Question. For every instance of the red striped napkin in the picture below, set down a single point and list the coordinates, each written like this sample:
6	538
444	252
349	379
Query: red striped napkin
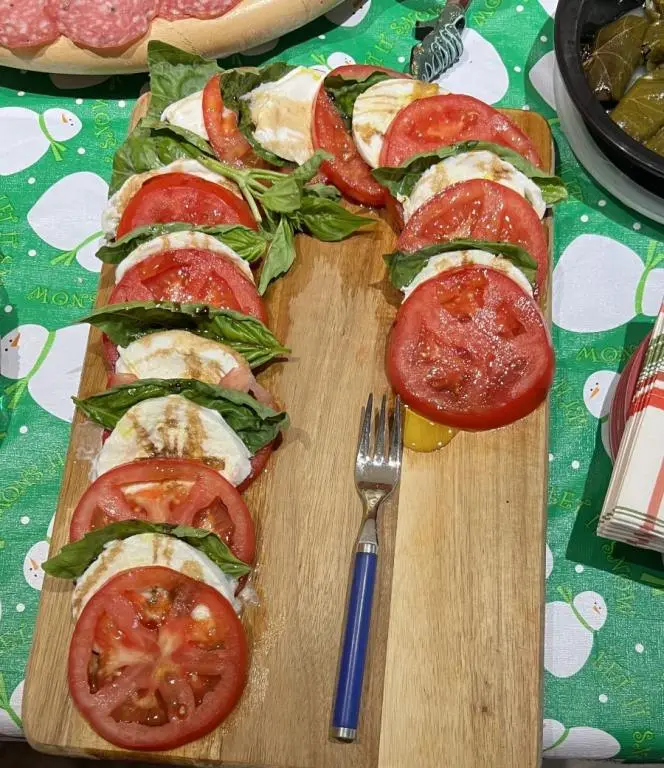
633	509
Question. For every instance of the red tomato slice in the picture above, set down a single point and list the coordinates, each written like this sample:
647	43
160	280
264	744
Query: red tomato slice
225	137
471	350
480	209
348	171
183	197
144	672
437	121
190	274
258	462
178	491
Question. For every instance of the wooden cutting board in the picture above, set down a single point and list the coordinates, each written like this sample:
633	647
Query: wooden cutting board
249	24
454	674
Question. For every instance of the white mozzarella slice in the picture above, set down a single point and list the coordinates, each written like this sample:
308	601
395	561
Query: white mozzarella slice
153	549
176	355
175	241
375	109
282	112
187	113
454	259
466	166
116	205
174	427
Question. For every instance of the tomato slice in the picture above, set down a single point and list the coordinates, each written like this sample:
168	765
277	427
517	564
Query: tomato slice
471	350
225	137
258	462
146	670
183	197
190	274
347	171
177	491
437	121
484	210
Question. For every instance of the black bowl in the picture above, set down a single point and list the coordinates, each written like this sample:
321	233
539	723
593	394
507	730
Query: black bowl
577	22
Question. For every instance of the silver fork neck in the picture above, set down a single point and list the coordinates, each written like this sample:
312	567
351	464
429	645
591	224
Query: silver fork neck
368	538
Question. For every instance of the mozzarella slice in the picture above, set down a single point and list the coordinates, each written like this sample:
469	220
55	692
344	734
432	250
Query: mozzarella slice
116	205
174	427
282	112
466	166
176	355
149	549
176	240
375	109
454	259
187	113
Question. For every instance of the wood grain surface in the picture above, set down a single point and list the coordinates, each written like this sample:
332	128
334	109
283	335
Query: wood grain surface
454	671
250	23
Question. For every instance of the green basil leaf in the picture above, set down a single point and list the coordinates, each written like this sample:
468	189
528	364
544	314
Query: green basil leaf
74	558
344	91
159	128
141	152
175	74
255	424
402	179
124	323
247	243
404	267
324	190
285	195
326	219
280	255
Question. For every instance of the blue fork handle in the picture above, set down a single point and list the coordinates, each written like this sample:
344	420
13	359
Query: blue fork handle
354	650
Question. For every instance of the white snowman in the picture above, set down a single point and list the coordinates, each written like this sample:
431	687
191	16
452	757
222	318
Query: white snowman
46	363
10	710
25	136
350	13
577	742
548	562
569	632
339	59
541	77
600	284
78	200
37	554
598	392
480	71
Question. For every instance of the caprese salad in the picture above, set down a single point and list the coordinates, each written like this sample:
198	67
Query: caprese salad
224	169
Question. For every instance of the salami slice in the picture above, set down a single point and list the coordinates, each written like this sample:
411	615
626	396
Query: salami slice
196	9
25	23
103	24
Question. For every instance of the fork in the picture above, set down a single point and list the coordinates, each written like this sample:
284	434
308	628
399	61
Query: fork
376	476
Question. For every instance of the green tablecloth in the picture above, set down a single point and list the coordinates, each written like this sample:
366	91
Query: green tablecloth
604	646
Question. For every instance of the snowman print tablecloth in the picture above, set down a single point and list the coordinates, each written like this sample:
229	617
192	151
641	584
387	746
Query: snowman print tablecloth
604	648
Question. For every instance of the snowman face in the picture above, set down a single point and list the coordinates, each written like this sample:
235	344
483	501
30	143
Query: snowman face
32	565
62	124
592	609
19	350
598	392
339	59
